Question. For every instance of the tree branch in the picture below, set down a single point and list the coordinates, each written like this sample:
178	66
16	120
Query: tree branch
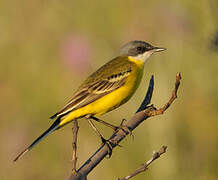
144	167
75	130
173	97
144	113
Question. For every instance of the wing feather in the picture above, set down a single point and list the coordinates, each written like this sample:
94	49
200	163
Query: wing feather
93	92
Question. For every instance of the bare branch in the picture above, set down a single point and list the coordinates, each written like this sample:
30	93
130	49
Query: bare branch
75	130
155	111
144	167
119	135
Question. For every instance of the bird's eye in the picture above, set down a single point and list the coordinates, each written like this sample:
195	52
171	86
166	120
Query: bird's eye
140	49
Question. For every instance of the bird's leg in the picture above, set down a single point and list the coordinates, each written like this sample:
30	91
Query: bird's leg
103	122
96	130
104	141
124	128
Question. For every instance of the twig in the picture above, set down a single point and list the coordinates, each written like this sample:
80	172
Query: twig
119	135
75	130
155	111
144	167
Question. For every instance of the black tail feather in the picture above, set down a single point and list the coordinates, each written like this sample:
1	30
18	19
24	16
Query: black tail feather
52	128
53	116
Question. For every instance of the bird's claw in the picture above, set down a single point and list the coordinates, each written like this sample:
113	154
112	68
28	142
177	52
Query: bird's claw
110	145
124	128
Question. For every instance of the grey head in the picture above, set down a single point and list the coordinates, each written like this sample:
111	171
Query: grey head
140	49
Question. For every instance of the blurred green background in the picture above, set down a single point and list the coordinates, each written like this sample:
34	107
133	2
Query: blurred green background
49	47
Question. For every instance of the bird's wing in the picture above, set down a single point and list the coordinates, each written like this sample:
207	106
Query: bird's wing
94	91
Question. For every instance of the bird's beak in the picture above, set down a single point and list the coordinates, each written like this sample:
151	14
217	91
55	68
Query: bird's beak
158	49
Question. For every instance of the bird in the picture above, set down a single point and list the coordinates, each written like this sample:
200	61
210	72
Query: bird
109	87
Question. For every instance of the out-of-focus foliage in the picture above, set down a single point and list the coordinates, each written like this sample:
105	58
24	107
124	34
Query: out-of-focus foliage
49	47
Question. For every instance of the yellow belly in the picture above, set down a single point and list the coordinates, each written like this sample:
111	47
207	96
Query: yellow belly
109	101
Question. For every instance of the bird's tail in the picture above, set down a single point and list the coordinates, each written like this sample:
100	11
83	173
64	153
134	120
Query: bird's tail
52	128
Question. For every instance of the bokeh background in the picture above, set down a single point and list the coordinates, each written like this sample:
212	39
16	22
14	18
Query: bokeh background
49	47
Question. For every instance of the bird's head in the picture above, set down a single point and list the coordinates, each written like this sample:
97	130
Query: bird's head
139	50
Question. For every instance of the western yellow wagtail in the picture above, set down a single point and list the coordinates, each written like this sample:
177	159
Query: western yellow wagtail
106	89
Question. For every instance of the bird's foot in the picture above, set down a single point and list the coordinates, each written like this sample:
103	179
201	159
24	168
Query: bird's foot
124	128
109	145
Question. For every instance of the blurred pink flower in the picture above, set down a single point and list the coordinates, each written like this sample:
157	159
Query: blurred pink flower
75	52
